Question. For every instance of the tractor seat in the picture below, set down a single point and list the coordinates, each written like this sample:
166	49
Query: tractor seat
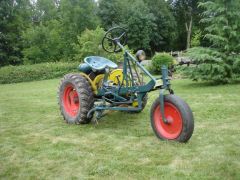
99	63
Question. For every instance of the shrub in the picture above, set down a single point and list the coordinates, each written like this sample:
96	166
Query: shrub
24	73
161	59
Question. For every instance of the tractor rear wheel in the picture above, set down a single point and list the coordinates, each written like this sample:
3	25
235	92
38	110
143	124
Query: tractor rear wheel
178	113
75	98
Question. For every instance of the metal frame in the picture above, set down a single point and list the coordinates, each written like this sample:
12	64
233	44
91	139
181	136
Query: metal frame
118	92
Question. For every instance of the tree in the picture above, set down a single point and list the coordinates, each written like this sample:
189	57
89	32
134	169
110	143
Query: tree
43	43
45	10
113	12
186	13
150	23
14	18
75	17
55	27
164	32
140	23
220	61
134	15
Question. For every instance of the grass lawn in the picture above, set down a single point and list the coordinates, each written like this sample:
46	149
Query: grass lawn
35	143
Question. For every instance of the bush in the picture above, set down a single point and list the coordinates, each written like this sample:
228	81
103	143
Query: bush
24	73
159	60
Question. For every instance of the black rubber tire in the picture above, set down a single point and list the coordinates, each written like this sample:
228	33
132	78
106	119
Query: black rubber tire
85	95
186	114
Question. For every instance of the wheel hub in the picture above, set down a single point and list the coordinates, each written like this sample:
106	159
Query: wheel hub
71	100
173	128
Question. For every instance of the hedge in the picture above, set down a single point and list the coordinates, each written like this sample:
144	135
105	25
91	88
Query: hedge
25	73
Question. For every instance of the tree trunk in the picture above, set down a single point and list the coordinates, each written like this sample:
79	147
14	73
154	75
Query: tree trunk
189	32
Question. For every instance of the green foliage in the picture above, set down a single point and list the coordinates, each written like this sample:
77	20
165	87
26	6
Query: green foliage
140	25
160	59
52	38
112	12
75	16
51	30
90	44
183	11
219	62
196	39
14	18
43	43
45	10
23	73
163	33
150	24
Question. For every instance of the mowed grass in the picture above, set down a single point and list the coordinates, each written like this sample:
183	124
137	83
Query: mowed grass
35	143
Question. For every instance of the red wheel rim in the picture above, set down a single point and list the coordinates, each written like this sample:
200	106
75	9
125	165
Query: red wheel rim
71	100
172	129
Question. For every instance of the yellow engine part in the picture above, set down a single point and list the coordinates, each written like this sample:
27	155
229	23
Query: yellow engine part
116	75
135	103
99	78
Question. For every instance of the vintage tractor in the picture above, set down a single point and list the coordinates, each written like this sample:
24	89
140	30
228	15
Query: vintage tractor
102	86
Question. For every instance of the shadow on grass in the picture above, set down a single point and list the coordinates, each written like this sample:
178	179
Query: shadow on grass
125	123
116	119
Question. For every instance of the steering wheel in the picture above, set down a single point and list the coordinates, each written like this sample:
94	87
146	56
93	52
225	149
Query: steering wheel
112	37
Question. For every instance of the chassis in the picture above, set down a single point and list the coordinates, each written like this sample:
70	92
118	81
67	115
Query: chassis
100	86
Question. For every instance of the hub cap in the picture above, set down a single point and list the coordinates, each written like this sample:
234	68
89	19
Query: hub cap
172	129
71	100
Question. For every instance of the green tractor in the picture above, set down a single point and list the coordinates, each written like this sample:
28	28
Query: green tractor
102	86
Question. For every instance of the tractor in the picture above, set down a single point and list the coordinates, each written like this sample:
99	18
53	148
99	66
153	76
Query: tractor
101	86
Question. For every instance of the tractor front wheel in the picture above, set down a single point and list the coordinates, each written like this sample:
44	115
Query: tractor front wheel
75	98
180	123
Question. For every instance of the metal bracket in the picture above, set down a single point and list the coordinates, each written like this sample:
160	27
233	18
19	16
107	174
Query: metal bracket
165	86
161	97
